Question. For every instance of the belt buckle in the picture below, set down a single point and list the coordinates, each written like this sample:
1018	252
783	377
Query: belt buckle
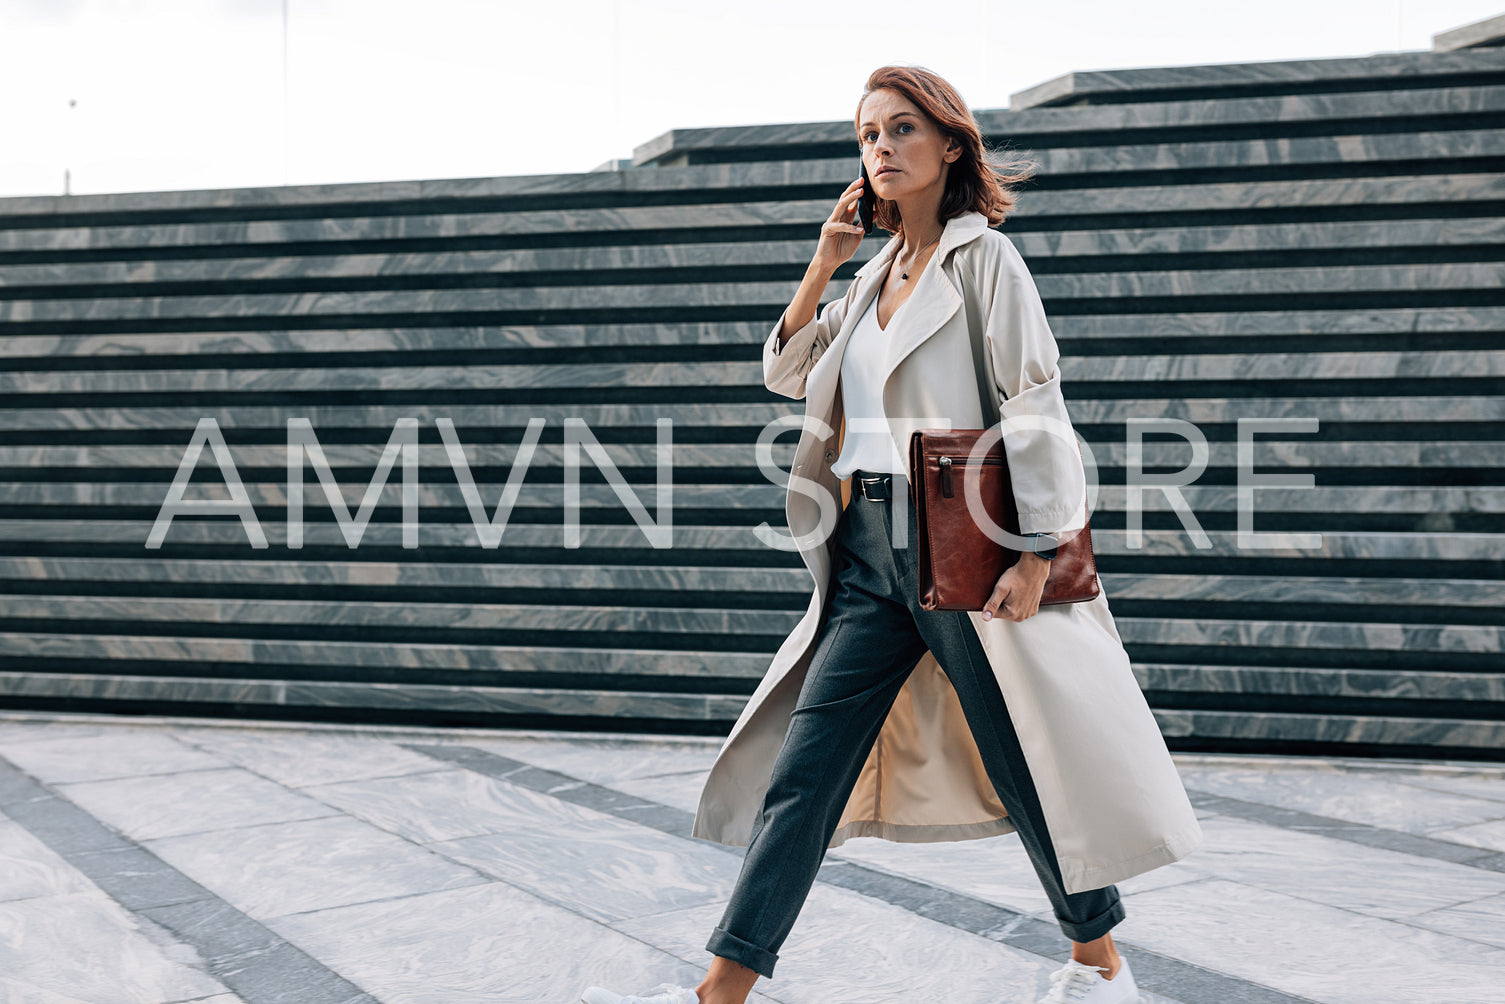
875	481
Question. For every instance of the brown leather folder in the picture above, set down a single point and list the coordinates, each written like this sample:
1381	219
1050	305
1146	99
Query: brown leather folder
959	563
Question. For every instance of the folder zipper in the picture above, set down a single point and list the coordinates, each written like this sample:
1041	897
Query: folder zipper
946	491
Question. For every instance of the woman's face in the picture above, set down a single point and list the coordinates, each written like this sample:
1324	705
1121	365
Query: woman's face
903	150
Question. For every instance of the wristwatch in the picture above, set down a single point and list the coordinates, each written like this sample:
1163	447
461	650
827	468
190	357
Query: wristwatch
1043	544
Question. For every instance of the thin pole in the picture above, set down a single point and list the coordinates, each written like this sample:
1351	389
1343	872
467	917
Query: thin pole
72	132
284	92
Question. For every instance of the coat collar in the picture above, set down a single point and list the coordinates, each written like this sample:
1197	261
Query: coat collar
957	231
932	303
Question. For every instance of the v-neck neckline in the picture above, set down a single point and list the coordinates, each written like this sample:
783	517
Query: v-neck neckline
877	297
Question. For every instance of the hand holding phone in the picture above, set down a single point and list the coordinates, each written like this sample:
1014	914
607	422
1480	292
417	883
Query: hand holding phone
840	235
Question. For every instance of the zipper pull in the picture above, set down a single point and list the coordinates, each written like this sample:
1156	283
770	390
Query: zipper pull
946	477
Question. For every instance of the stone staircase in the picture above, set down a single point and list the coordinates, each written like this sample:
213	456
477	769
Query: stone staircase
1317	241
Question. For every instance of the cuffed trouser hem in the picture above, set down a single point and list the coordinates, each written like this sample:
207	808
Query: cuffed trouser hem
1091	930
729	946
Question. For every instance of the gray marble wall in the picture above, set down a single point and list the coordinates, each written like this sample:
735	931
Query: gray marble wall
1316	240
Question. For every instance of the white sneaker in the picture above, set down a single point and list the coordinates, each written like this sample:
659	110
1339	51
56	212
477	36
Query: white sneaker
1075	983
661	994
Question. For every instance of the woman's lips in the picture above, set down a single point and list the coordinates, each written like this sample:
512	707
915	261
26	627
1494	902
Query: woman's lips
887	170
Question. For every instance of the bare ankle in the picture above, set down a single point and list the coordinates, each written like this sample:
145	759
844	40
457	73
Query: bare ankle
727	982
721	994
1101	952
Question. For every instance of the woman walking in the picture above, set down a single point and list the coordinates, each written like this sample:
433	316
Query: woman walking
877	717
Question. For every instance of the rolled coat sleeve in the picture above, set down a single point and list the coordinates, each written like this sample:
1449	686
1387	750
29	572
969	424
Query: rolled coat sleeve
1045	465
785	370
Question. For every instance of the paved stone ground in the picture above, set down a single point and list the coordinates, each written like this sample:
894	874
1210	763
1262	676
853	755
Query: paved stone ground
148	861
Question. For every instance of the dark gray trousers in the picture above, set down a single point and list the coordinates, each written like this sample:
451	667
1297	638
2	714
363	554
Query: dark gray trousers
872	636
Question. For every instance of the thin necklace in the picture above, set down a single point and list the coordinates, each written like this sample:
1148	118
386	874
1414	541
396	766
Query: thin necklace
905	274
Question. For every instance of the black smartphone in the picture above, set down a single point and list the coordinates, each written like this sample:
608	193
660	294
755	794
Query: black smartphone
868	203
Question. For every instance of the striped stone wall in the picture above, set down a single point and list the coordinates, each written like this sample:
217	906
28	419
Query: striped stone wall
1318	241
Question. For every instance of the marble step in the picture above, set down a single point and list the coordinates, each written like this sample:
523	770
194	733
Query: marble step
1240	637
1474	36
1312	546
643	228
738	505
655	257
457	619
1345	112
377	419
658	303
1352	510
1392	72
1283	731
1307	681
444	510
716	667
789	586
1418	97
1257	332
403	664
1307	593
169	691
1085	336
616	709
547	464
567	378
1092	377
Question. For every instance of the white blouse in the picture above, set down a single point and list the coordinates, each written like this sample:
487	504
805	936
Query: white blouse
862	362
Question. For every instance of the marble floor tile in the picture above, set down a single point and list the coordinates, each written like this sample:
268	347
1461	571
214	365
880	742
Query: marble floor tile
1350	795
17	991
85	946
607	869
1369	880
846	948
681	791
1487	786
21	992
602	761
298	759
1490	834
994	869
113	753
479	945
1298	947
30	868
168	805
1478	920
20	729
448	804
281	868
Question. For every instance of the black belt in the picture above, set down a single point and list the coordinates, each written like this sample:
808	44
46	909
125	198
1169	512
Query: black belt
873	487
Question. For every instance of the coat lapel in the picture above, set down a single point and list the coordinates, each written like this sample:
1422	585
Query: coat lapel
927	310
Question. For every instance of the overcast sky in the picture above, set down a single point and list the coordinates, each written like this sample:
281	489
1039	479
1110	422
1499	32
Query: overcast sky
179	94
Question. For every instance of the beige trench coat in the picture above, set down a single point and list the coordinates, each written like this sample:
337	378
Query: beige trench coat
1112	798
